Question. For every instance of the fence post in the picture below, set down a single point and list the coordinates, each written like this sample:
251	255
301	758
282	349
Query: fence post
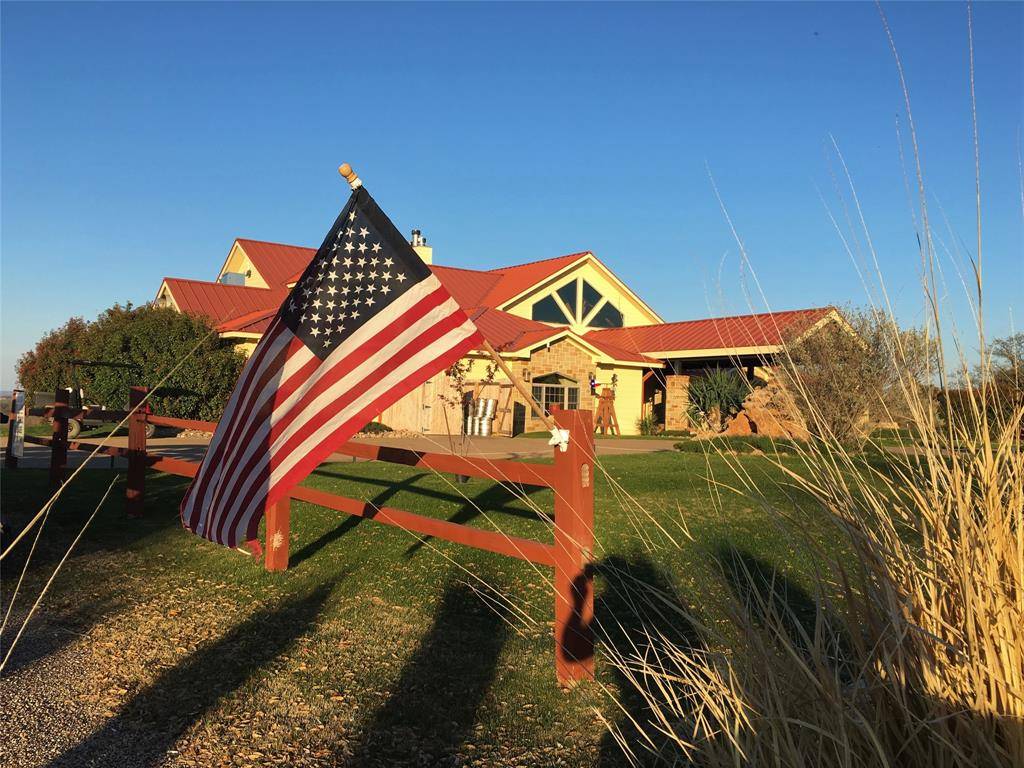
136	488
574	544
278	524
59	444
10	460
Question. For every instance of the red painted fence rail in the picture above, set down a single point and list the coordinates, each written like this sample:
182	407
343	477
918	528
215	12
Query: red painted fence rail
570	477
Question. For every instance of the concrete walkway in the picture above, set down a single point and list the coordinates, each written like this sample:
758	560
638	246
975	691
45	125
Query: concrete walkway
192	448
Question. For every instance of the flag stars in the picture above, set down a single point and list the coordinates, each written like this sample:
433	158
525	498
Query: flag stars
332	290
347	262
400	277
385	276
362	247
363	232
349	247
314	331
385	289
332	275
369	301
352	216
388	261
361	262
376	247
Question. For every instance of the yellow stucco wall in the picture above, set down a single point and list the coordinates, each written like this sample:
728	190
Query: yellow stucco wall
565	357
238	261
633	312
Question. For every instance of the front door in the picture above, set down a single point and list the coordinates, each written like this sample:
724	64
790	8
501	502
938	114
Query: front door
518	419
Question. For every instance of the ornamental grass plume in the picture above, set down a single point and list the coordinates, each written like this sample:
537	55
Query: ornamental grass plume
908	650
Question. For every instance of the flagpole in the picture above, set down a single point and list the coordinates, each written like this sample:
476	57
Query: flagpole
559	437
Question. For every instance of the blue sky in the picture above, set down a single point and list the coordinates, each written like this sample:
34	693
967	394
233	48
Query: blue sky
138	140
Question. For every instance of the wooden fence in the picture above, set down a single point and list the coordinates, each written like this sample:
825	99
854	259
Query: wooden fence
570	477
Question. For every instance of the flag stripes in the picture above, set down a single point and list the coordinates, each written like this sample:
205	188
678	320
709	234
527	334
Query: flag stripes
291	409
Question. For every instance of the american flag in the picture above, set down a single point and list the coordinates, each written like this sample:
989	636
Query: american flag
365	324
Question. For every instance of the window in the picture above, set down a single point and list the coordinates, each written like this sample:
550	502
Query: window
607	317
572	398
547	311
554	389
567	293
590	298
580	298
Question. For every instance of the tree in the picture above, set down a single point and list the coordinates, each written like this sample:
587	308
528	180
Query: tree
1008	356
847	375
155	340
45	367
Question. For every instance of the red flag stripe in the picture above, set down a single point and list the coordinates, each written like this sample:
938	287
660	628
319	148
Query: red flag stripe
256	442
263	358
348	386
320	444
289	353
307	427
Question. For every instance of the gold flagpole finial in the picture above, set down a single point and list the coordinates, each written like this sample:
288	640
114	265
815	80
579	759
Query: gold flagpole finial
350	176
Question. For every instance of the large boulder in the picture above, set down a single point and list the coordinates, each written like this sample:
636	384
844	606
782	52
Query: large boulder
769	411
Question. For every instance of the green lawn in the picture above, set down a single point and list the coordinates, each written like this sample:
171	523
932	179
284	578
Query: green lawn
376	647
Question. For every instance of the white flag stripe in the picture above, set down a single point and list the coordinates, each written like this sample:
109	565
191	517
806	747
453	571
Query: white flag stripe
360	337
365	323
234	485
414	363
346	383
225	442
292	366
262	357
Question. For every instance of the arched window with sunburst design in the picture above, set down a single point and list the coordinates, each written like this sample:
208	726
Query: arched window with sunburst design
577	303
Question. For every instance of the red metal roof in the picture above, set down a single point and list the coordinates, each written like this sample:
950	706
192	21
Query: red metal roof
221	302
763	330
277	263
467	286
251	322
507	332
510	333
519	277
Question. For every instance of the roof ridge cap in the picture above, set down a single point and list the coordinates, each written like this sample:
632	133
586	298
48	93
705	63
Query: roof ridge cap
539	261
225	285
776	313
272	242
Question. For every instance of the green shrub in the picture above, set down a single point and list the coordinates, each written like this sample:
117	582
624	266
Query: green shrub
44	368
375	428
646	425
720	391
152	339
741	444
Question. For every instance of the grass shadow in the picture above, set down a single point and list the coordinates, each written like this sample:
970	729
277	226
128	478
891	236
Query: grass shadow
637	609
775	601
351	521
433	705
155	718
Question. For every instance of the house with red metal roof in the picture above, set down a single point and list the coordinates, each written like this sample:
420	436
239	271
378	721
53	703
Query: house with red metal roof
568	325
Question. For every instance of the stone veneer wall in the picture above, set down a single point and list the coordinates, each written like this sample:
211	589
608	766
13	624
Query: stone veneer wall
677	402
561	357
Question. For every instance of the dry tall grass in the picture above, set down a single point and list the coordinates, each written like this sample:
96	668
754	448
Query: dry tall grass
913	651
910	651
